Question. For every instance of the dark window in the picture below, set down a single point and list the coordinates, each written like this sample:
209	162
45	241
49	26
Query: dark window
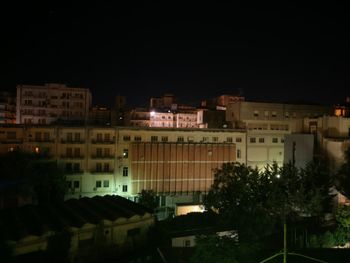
261	140
238	153
275	140
126	138
76	184
125	188
105	183
98	184
252	140
238	139
125	171
154	138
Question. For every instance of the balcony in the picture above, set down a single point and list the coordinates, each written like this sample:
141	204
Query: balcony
102	156
9	141
69	172
41	140
75	157
94	171
65	141
94	141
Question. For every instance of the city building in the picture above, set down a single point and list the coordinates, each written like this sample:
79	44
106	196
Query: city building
7	108
52	103
178	164
100	115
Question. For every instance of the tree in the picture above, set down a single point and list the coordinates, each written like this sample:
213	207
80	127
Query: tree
256	202
148	199
33	174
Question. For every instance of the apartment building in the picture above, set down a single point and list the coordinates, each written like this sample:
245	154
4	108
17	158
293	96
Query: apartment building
7	108
124	161
258	115
52	103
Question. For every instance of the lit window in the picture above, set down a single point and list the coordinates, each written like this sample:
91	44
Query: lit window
125	153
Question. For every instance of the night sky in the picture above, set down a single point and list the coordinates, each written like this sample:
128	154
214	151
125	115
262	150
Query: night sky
278	52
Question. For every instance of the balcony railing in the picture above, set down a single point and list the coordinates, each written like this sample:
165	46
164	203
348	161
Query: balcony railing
72	141
74	171
102	156
95	141
94	171
72	157
41	140
9	141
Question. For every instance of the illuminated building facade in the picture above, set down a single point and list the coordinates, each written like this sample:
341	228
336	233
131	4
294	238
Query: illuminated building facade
7	108
52	103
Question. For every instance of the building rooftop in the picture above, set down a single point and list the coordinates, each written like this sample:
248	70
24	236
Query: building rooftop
31	220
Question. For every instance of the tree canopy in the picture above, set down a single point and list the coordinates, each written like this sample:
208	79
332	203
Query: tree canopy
342	180
32	174
254	201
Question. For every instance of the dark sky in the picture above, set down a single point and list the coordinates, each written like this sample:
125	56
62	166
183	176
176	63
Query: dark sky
277	52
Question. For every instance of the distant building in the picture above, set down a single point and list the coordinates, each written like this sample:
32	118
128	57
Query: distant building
164	102
99	115
7	108
52	103
119	111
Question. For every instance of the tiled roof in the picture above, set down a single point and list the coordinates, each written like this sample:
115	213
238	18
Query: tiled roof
19	223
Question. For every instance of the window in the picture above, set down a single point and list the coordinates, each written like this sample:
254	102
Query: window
106	167
180	139
238	139
76	184
256	113
215	139
68	167
99	137
126	138
46	136
69	184
137	138
286	114
282	140
98	167
164	138
266	113
77	152
107	152
69	152
105	183
125	188
261	140
125	171
205	139
38	136
98	152
125	153
274	114
98	184
274	140
108	137
77	136
252	140
69	136
238	153
229	139
76	167
187	243
154	138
